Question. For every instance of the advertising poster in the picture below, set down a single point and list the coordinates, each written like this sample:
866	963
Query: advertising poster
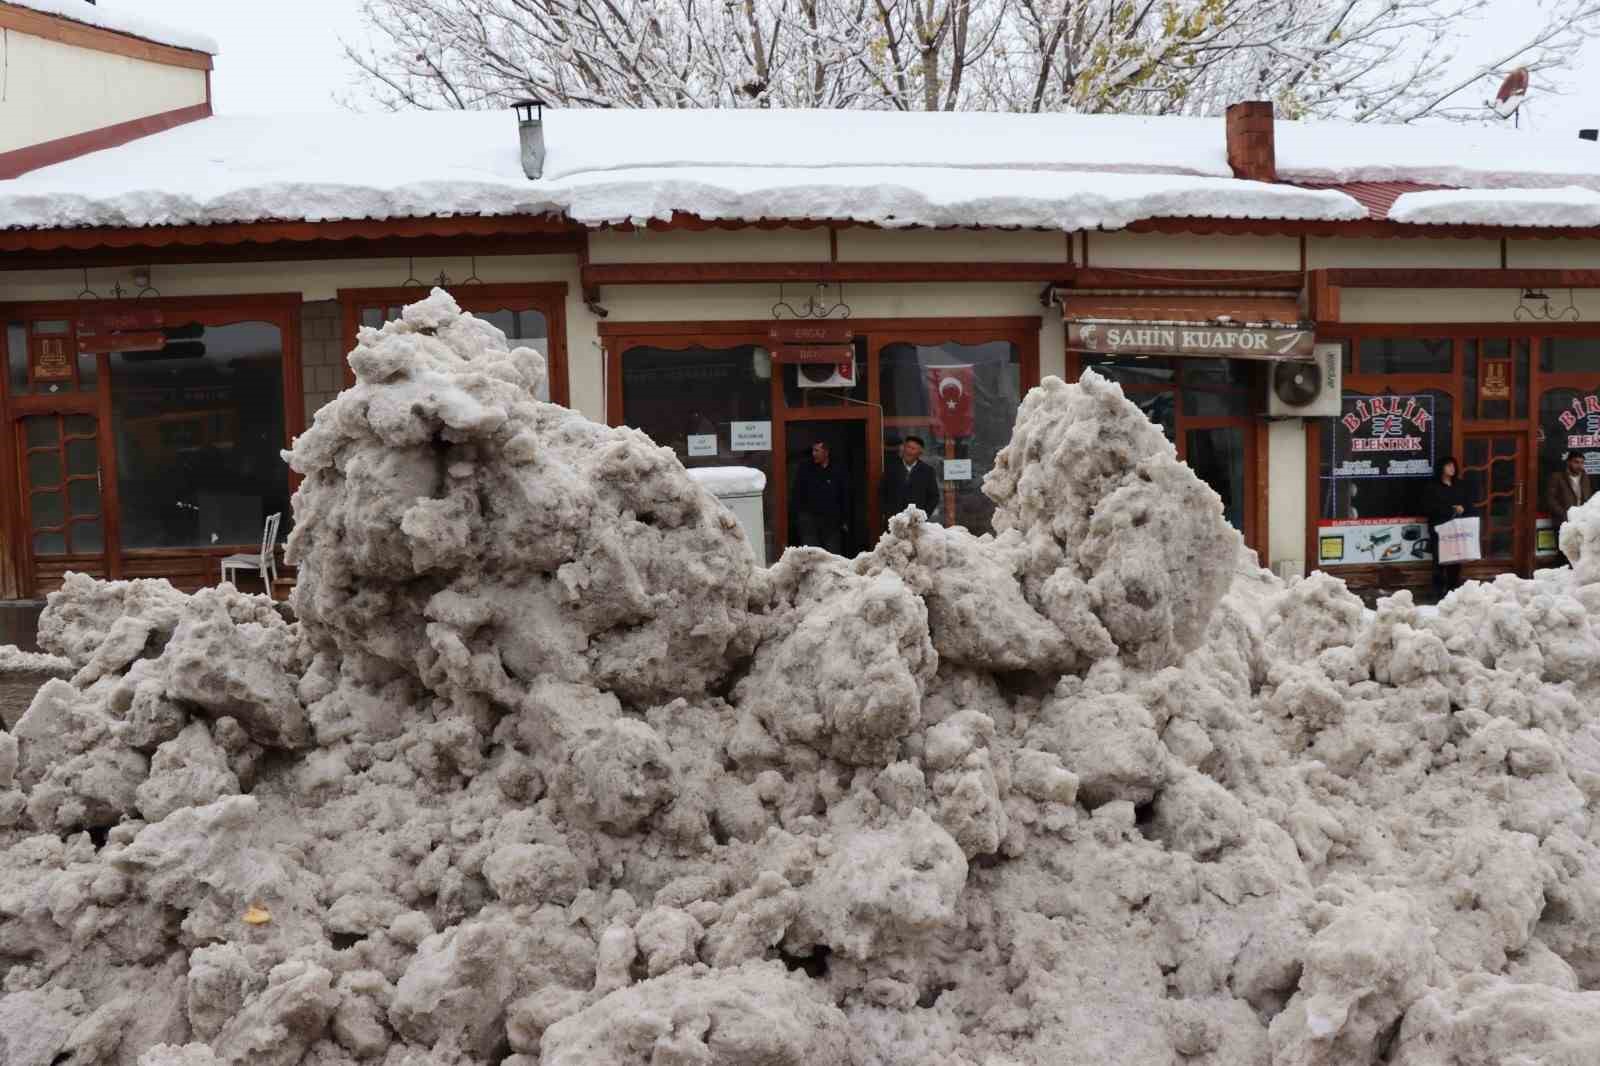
1545	536
1576	428
1353	541
1384	436
751	436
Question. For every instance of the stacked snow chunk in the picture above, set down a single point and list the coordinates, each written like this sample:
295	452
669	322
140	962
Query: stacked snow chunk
544	770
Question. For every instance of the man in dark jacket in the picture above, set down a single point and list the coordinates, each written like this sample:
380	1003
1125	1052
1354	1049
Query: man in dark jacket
910	482
1566	489
822	501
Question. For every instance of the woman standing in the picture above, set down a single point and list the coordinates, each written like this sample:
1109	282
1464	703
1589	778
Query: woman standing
1445	500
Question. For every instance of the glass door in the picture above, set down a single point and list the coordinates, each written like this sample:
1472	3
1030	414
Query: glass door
1493	467
61	486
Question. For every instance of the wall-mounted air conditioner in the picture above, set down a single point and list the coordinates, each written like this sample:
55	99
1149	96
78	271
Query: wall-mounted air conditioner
1307	389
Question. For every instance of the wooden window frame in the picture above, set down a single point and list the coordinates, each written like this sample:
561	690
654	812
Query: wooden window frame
549	298
20	574
1464	424
1255	427
616	337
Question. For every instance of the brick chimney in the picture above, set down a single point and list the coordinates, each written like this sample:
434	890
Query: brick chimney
1251	150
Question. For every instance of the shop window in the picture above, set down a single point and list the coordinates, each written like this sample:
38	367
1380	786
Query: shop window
1406	355
690	400
528	313
1147	381
1569	420
199	428
1377	459
1570	355
1219	388
962	400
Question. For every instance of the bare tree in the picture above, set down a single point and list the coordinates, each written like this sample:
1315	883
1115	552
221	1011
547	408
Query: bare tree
1366	60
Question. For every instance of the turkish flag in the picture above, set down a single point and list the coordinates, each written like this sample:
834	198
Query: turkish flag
950	399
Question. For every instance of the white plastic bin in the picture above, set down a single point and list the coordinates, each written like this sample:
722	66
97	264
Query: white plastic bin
742	490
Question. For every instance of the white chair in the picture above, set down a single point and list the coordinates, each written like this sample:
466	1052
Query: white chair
266	562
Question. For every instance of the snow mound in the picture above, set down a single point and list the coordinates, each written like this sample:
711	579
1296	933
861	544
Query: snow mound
542	769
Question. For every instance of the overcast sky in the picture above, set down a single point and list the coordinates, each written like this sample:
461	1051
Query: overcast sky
285	56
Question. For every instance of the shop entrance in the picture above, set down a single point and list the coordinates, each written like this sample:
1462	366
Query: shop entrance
1492	465
811	519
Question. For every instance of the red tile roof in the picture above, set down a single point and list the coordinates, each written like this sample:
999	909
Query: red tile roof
1377	196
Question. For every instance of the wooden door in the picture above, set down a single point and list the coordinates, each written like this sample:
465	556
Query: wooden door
1493	465
60	473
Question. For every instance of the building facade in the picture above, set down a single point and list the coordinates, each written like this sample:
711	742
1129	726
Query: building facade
155	370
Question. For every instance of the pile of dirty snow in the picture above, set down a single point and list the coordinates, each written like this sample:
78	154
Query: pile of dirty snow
543	769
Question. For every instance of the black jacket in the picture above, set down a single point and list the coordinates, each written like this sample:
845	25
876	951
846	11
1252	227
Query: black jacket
897	491
1440	501
823	492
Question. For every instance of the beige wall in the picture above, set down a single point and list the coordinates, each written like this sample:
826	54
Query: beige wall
319	281
55	90
1192	251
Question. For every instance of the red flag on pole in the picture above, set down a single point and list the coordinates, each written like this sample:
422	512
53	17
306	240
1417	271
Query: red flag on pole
950	399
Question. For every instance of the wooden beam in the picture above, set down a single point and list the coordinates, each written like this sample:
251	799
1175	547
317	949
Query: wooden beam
1462	278
65	30
19	161
597	274
1322	297
1179	278
95	237
288	251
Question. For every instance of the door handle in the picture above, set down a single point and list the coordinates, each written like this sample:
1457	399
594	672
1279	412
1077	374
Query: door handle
1519	494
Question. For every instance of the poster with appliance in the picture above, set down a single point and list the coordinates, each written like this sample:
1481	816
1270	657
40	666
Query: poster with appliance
1384	436
1545	536
1354	541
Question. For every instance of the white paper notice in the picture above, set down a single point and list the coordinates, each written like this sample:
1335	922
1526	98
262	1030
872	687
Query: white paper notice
752	436
958	469
702	444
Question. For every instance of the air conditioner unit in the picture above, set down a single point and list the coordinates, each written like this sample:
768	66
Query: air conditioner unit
1307	390
840	375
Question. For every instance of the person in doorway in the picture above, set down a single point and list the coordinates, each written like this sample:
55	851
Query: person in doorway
1444	501
910	482
822	501
1566	489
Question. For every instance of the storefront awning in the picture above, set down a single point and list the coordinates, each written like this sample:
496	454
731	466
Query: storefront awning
1208	326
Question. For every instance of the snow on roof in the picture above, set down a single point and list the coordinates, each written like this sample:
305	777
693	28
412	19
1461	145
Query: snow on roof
112	18
929	169
630	166
1569	206
1445	154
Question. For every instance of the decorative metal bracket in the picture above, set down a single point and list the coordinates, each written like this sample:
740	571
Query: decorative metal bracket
815	306
1526	311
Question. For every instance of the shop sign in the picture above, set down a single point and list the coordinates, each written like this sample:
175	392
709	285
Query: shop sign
790	333
701	444
124	330
51	360
1351	541
1150	338
1384	436
829	354
958	469
1577	426
751	436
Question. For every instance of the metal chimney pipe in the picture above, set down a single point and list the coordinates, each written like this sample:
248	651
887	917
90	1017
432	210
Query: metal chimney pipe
530	126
